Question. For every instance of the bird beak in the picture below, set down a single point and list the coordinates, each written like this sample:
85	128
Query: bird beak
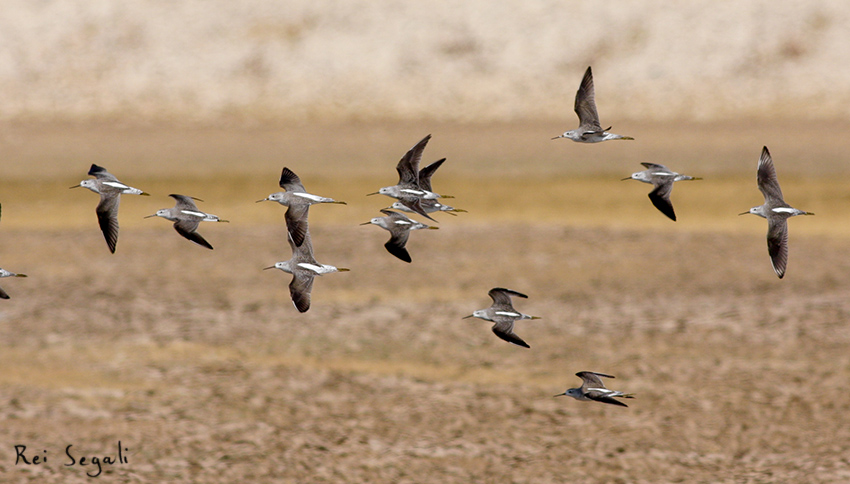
556	137
624	179
149	216
560	395
467	317
75	186
366	223
744	213
263	200
370	194
266	268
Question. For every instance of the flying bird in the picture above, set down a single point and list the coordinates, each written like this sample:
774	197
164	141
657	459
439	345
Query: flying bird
662	179
399	227
304	268
592	389
187	217
298	200
503	314
589	129
110	190
408	190
776	211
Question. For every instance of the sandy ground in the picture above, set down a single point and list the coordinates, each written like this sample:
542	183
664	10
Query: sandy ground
198	363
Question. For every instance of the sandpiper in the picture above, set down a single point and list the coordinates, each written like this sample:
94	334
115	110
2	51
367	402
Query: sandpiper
298	200
592	389
776	211
110	190
503	314
662	179
304	269
187	217
408	190
430	206
399	227
589	129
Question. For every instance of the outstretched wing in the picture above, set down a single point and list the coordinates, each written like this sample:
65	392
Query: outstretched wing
661	198
299	289
396	245
601	397
585	105
767	180
408	165
502	296
505	330
590	379
777	244
187	228
290	182
107	217
426	173
296	222
184	202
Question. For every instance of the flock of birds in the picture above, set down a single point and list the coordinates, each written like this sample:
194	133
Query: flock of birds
414	194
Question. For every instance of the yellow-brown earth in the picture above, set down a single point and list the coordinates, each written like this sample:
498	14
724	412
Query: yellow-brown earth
199	364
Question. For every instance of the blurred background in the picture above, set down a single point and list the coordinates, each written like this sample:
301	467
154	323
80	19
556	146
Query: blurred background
197	360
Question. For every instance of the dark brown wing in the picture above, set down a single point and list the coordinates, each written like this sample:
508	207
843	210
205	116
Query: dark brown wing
296	222
415	204
661	198
395	245
299	289
3	294
502	296
408	165
590	379
505	330
107	217
585	105
187	228
777	244
599	397
290	182
426	173
767	180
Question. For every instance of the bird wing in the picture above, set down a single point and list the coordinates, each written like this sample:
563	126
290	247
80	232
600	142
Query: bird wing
777	244
655	166
100	173
296	222
395	246
505	330
408	165
660	197
426	173
591	379
3	294
187	227
300	288
107	217
415	204
602	397
184	202
502	296
290	182
585	105
767	180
